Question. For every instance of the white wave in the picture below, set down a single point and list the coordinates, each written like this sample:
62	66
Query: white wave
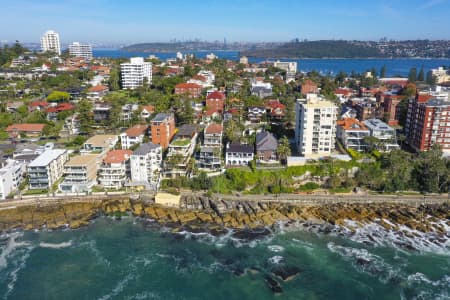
276	259
366	262
15	273
55	246
275	248
10	247
120	286
304	244
92	246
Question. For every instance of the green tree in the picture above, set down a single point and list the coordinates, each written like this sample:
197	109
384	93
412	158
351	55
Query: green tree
232	131
58	96
421	76
283	149
412	76
431	171
85	116
431	80
383	71
114	80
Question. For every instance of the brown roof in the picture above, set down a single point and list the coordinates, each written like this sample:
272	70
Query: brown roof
213	128
351	124
117	156
149	108
98	88
136	130
188	86
25	127
216	95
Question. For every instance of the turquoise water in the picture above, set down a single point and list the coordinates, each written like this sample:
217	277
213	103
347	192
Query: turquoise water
136	259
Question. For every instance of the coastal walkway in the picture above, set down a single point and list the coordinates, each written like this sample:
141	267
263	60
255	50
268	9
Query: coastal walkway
294	199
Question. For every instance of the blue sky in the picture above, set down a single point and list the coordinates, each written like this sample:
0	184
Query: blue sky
237	20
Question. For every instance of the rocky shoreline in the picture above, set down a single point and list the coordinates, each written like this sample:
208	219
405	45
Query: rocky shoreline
200	212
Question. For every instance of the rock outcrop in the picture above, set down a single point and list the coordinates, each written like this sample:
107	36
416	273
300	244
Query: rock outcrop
203	212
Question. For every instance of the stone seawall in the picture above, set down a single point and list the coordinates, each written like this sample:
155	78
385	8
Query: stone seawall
198	211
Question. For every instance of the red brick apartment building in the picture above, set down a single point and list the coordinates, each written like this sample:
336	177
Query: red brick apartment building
163	129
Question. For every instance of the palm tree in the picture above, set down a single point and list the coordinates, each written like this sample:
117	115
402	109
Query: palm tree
283	149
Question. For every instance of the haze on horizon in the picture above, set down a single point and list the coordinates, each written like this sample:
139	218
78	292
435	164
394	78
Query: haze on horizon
136	21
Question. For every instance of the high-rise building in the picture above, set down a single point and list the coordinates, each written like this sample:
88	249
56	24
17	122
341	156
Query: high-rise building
145	163
80	50
163	129
50	42
315	129
134	73
428	123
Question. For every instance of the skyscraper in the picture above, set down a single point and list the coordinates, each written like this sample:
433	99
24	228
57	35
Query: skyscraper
50	42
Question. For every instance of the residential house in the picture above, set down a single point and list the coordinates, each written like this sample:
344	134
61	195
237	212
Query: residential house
97	92
11	175
127	111
80	173
115	169
260	88
37	105
99	144
53	111
145	164
239	154
71	126
309	87
147	111
266	147
163	129
275	109
46	169
101	112
13	106
25	130
256	114
134	135
351	133
180	152
193	90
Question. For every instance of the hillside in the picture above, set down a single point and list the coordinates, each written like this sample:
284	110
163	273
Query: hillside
318	49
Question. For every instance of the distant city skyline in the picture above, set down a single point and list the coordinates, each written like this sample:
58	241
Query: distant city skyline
137	21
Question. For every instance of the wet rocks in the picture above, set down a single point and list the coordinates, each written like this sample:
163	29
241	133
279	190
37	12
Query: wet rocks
274	285
286	273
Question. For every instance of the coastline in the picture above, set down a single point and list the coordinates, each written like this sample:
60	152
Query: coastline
199	212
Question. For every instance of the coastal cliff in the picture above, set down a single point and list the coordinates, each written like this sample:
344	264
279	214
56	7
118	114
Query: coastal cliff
198	212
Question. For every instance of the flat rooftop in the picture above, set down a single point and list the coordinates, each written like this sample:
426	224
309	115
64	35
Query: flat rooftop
46	158
82	160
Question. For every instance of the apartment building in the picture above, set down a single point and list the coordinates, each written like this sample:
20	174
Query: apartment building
11	175
50	42
163	129
193	90
115	169
180	152
46	169
135	73
315	129
428	123
99	144
210	154
145	166
80	173
383	132
132	136
80	50
351	132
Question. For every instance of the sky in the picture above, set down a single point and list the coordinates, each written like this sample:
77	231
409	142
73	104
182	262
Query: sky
132	21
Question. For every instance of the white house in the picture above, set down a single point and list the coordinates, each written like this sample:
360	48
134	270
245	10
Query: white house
239	154
11	175
134	135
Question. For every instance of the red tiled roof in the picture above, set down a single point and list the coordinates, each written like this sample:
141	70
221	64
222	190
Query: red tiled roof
117	156
216	95
351	124
136	130
199	77
149	108
213	128
211	111
422	98
38	103
60	107
98	88
344	92
25	127
188	86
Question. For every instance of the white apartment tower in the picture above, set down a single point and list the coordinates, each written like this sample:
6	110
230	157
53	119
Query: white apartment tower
81	50
315	128
134	72
50	42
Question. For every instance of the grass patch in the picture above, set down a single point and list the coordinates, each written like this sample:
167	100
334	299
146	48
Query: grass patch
35	192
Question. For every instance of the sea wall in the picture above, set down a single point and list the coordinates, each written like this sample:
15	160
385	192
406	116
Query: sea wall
220	211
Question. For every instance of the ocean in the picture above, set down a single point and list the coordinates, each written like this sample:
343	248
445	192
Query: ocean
137	259
394	67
